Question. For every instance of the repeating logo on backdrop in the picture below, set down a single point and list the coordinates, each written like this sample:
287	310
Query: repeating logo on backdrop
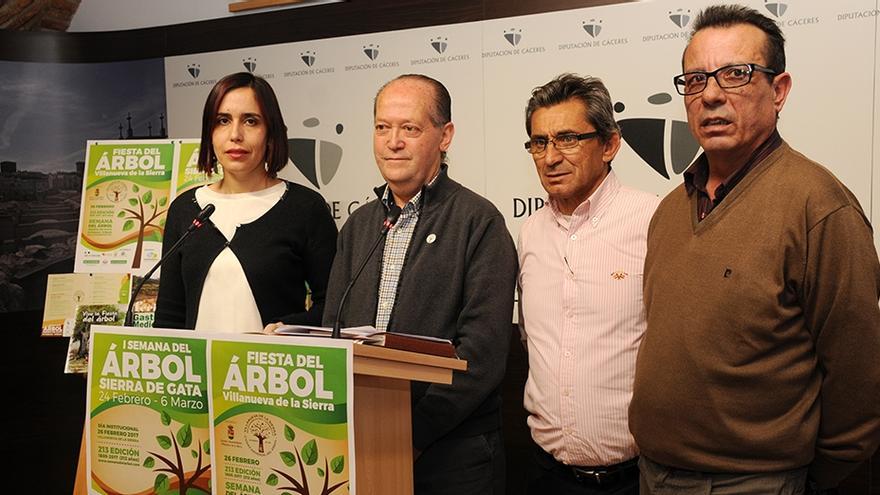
440	47
250	64
371	51
194	73
317	159
308	57
780	9
665	144
680	17
513	36
593	27
439	44
776	8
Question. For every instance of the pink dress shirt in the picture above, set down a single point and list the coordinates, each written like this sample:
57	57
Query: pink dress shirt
582	316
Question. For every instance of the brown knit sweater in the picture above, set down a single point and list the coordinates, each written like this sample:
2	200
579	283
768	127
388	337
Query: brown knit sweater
762	351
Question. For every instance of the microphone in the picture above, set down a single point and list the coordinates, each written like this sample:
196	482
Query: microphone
391	217
196	224
200	219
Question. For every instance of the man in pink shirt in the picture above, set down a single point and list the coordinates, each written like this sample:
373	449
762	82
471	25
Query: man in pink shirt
580	284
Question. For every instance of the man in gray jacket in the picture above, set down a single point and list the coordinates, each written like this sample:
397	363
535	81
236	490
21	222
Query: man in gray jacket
446	269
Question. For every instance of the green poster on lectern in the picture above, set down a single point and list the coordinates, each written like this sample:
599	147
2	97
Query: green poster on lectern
282	416
147	403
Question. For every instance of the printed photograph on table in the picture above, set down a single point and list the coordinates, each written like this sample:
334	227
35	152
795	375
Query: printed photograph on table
282	416
148	413
87	315
144	307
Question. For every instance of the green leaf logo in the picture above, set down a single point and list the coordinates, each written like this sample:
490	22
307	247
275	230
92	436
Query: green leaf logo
288	458
207	447
310	452
320	472
185	435
337	464
128	225
132	201
149	462
120	214
166	418
288	433
164	441
163	201
161	484
148	196
135	188
272	480
194	453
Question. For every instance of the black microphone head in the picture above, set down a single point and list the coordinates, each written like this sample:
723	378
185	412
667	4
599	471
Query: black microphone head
206	212
391	217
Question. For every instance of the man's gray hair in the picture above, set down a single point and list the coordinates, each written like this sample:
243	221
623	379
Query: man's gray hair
588	90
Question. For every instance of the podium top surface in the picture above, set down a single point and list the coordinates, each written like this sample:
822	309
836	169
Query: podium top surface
404	365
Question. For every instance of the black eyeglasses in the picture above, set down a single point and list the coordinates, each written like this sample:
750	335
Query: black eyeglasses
565	143
731	76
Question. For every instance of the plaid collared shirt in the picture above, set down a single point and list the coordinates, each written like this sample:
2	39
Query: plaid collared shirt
394	255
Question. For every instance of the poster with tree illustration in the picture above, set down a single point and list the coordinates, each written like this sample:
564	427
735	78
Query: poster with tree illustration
282	416
126	194
147	413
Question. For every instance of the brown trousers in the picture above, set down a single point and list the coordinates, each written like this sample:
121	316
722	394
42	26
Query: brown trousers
657	479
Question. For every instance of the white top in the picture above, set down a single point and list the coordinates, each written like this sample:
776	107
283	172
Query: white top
227	303
582	314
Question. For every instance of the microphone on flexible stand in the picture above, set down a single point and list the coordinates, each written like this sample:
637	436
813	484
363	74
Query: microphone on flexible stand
196	224
390	219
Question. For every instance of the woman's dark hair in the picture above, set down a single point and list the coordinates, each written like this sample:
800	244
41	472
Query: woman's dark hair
276	132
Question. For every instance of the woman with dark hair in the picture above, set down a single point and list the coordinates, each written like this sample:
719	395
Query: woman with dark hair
268	238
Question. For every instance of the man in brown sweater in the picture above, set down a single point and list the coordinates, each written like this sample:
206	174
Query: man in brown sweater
759	368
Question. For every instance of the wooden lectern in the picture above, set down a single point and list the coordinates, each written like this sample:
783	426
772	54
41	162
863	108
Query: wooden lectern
382	417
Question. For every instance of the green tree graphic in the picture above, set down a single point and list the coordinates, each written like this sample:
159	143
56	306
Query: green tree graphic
305	456
186	485
142	218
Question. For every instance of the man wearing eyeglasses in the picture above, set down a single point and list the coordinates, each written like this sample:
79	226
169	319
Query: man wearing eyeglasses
758	372
580	284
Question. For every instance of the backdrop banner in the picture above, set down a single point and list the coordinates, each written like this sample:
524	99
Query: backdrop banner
326	90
